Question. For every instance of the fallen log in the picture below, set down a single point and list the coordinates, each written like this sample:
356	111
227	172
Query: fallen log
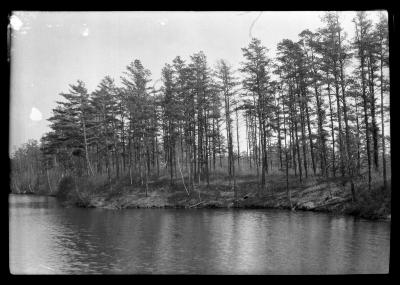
196	204
333	203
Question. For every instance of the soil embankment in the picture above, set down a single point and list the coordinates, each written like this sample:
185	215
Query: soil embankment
312	195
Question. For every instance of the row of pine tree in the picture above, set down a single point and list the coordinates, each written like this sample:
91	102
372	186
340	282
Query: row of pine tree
320	107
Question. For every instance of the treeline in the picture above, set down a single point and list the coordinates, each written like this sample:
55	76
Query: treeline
317	108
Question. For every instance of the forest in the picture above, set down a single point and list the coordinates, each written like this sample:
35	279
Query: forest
319	109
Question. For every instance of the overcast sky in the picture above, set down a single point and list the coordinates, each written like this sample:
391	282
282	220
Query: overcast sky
50	50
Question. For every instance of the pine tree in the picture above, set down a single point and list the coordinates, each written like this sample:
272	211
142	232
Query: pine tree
255	69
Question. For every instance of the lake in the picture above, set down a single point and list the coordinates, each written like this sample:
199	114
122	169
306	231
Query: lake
46	238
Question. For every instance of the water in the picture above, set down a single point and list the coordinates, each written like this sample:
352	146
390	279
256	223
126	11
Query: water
46	238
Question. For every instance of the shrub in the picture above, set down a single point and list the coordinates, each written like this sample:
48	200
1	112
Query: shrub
81	190
65	188
374	203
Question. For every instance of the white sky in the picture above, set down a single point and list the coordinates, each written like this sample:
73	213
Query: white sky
50	50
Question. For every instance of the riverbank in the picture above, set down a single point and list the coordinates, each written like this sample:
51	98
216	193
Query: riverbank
313	194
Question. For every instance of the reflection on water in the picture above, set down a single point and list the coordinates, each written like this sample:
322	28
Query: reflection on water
48	239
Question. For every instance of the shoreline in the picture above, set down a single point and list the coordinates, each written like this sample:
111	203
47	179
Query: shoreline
211	205
314	196
207	205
